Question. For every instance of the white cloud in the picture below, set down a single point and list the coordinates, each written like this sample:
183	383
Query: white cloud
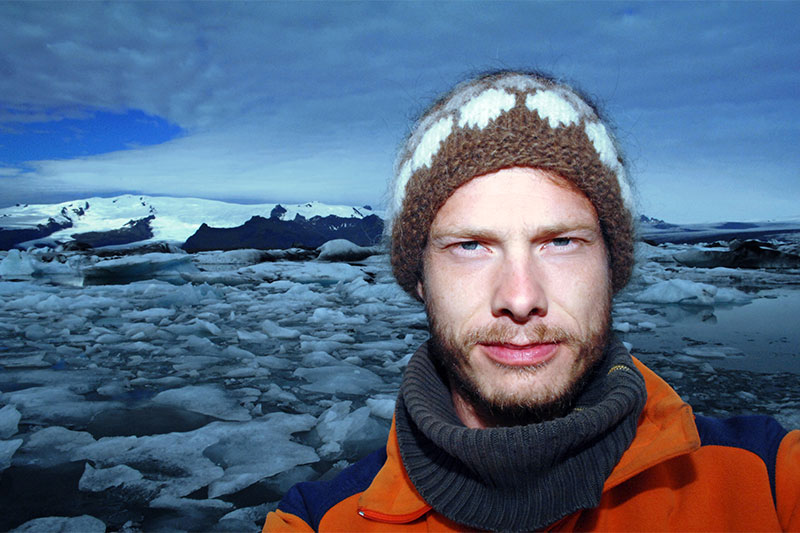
294	99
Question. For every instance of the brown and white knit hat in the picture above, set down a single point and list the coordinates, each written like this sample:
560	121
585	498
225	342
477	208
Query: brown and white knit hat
497	121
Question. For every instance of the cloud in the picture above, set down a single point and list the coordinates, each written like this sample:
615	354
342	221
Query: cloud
304	99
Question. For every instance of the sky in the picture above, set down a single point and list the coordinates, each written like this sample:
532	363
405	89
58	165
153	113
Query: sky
298	101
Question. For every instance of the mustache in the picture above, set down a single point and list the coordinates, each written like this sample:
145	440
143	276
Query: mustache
537	333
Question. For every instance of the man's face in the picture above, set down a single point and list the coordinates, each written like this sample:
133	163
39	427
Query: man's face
517	288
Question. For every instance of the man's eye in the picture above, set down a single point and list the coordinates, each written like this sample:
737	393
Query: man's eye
470	245
562	241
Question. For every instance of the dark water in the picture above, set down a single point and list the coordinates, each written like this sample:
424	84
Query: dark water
761	336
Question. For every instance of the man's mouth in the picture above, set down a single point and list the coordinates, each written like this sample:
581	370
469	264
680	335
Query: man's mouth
510	354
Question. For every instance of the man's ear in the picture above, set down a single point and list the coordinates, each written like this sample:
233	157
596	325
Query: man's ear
420	291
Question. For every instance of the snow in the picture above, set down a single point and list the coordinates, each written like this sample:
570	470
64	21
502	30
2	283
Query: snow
184	401
176	219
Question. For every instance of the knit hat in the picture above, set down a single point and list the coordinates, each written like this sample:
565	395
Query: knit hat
504	120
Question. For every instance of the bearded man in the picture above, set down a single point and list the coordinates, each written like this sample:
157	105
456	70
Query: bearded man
512	220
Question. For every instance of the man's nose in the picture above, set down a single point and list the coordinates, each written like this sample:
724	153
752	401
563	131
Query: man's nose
519	291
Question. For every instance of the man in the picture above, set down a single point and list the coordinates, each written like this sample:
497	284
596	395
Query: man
512	221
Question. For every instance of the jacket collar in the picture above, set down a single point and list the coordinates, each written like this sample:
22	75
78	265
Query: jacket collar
665	430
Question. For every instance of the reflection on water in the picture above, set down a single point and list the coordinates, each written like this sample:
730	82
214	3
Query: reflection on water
763	335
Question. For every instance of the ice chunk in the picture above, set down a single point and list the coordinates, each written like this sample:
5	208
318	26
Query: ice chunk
274	330
254	337
180	454
277	394
142	267
168	501
382	407
35	332
238	353
318	358
7	450
712	352
16	265
100	479
9	421
690	293
54	403
344	250
63	524
323	315
204	399
345	432
268	451
336	423
53	445
339	379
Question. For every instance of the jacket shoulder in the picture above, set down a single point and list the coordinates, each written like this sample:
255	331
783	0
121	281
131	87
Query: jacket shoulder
310	500
760	435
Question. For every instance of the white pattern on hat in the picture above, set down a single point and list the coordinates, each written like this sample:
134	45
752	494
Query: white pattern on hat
485	107
425	151
604	146
431	141
554	107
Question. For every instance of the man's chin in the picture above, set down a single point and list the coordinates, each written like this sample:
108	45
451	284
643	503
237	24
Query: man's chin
514	395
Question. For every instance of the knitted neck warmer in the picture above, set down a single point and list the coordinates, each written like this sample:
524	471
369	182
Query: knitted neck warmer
516	478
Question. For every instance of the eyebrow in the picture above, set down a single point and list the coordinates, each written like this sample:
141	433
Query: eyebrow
479	233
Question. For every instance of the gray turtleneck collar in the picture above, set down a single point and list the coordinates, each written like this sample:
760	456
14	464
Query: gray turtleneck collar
524	477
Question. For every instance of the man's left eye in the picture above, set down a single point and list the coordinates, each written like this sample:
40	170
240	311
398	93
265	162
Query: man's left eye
470	245
562	241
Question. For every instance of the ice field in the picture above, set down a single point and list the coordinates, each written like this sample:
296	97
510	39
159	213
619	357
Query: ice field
191	396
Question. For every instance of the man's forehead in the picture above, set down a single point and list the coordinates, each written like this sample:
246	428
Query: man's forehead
518	197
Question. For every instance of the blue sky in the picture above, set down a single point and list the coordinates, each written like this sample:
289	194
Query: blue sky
297	101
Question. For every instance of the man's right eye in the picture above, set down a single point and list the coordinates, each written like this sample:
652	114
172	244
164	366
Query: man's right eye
469	245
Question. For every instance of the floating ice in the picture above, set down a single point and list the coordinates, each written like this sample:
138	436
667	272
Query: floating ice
259	449
16	265
690	293
9	421
344	250
382	407
348	432
322	315
274	330
52	445
339	379
100	479
204	399
54	403
7	450
162	266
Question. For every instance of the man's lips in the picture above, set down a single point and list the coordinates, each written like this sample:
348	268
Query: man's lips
519	354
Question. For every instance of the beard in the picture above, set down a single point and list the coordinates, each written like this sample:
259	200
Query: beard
509	406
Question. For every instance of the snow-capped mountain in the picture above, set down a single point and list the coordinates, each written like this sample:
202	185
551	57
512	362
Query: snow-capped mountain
658	231
169	219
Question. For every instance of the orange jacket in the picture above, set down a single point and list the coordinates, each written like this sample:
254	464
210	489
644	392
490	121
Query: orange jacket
680	473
